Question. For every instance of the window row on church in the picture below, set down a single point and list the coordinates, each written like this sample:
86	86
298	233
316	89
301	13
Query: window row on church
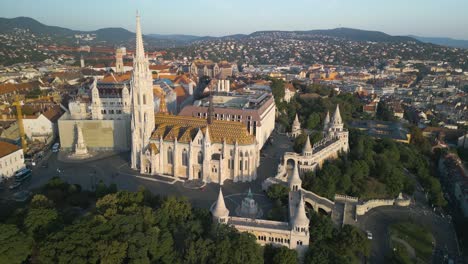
243	164
111	112
273	239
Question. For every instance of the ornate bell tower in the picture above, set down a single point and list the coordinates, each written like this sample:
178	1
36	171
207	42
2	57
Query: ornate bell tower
142	102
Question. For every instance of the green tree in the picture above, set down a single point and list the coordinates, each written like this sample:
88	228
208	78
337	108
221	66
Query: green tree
278	192
15	246
313	121
39	221
279	255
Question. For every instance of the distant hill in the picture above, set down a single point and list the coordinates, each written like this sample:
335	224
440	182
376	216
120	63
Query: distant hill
121	35
176	37
346	33
112	35
448	42
8	24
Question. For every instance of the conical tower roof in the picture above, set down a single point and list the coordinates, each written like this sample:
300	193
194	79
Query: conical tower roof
295	179
326	122
296	121
337	115
220	210
300	218
307	147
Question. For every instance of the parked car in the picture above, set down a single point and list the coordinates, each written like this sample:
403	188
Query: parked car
15	185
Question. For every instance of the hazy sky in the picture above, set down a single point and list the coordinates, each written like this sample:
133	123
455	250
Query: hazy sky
445	18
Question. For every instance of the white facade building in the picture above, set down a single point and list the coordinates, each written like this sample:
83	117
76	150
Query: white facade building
11	159
335	140
293	234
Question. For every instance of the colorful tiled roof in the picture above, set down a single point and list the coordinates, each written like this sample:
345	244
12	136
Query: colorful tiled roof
184	128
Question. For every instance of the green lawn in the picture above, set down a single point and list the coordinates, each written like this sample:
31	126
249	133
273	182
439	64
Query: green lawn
419	237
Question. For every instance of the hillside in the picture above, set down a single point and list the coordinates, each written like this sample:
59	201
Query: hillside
345	33
120	35
9	24
448	42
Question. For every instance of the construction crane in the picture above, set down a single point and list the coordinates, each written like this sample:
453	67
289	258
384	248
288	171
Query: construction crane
19	118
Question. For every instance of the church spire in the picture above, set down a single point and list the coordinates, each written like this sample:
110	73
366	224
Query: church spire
140	50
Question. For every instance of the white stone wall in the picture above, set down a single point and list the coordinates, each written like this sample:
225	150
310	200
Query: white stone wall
267	125
9	164
227	168
38	126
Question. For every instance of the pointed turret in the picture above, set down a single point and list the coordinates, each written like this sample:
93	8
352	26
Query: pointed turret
220	212
296	127
326	122
300	220
295	182
296	121
337	116
307	150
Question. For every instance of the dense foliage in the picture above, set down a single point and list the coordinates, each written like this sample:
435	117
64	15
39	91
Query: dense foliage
331	245
120	227
279	194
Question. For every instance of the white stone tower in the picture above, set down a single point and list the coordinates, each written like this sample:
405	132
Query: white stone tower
142	103
295	182
119	65
307	149
336	124
300	228
220	212
82	63
296	127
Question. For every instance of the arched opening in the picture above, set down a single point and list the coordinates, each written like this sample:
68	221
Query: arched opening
290	163
322	211
309	209
184	158
169	156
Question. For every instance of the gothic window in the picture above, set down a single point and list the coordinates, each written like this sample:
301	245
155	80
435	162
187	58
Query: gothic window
240	165
184	157
144	99
200	157
169	156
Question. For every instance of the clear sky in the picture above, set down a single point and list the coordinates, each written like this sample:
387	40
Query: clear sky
432	18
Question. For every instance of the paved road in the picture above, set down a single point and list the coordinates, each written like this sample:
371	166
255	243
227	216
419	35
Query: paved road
378	221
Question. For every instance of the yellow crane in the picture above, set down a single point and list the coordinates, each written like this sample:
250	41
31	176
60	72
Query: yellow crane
19	118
